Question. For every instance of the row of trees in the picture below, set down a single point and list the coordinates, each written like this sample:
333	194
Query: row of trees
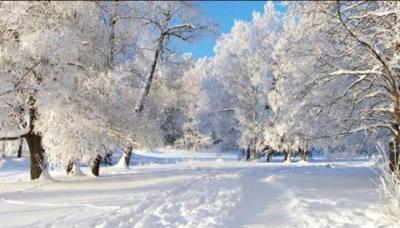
77	78
82	79
320	75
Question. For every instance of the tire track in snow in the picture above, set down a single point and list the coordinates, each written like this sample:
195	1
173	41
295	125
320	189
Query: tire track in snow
202	201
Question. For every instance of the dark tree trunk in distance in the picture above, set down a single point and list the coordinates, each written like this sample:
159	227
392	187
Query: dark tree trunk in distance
286	155
303	154
248	153
269	155
96	165
70	166
128	155
20	147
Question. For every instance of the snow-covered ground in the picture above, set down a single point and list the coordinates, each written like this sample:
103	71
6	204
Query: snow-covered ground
195	190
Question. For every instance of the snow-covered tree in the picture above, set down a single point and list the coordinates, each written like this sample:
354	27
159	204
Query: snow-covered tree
71	72
244	65
215	115
170	22
192	135
340	58
36	64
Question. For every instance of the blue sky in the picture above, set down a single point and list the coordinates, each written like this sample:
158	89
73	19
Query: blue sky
224	14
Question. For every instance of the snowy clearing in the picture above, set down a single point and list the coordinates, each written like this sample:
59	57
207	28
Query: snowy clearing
212	193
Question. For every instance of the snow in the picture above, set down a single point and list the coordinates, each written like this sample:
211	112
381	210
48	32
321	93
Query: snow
206	190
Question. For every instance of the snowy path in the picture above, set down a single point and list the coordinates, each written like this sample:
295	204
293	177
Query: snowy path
199	194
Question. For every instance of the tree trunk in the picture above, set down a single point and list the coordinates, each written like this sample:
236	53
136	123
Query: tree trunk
128	155
111	38
96	165
70	166
269	155
34	141
36	151
254	157
303	154
394	156
145	91
394	147
20	147
248	153
254	151
286	155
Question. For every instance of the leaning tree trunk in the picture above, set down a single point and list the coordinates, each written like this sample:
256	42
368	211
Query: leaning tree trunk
96	165
70	166
73	168
145	91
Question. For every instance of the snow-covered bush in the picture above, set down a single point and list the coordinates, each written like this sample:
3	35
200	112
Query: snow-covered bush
389	186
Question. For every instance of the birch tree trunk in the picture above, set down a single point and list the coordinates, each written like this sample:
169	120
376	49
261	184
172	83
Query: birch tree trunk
254	157
111	37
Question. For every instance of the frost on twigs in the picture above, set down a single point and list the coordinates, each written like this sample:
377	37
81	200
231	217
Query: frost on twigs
389	186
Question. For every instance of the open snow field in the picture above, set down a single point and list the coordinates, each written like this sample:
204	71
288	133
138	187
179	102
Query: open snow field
203	191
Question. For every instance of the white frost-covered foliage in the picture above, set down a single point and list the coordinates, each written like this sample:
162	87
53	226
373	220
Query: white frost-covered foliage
215	113
336	82
243	64
326	76
50	58
81	66
193	137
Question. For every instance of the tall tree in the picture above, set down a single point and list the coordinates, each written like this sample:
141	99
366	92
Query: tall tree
172	22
